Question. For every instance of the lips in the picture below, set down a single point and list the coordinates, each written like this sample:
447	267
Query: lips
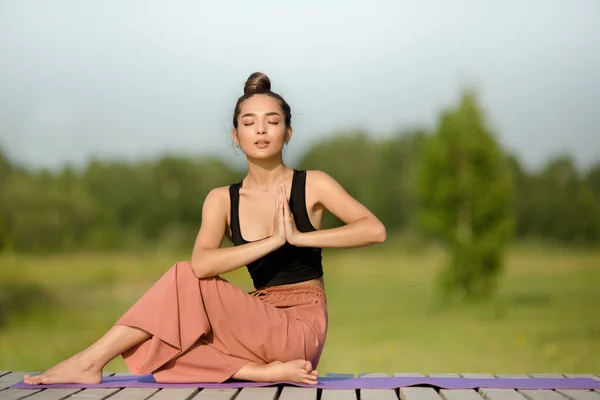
261	144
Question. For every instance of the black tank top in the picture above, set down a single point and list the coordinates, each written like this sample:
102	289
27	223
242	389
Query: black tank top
288	264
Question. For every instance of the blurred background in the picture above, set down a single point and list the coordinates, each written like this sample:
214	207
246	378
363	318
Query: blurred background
469	128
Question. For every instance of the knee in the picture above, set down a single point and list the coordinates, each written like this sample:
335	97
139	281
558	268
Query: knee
184	268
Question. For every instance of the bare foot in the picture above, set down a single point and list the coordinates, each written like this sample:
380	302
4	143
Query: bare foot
73	370
297	371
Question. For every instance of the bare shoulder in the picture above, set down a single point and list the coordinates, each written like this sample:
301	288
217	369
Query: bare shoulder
320	180
214	219
329	193
217	198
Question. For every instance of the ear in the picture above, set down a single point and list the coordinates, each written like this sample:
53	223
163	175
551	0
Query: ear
234	137
288	135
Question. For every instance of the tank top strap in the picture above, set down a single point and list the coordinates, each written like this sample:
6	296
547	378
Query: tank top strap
298	188
234	217
298	201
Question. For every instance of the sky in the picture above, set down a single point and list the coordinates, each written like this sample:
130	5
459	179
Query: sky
137	79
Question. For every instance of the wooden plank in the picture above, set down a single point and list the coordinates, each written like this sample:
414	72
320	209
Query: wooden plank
418	393
376	394
134	394
443	375
216	394
460	394
338	394
94	394
15	394
53	394
344	394
500	394
262	393
579	394
298	393
12	378
379	394
541	395
553	376
175	394
472	375
513	376
409	374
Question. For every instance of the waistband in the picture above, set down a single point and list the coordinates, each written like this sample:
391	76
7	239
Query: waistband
298	289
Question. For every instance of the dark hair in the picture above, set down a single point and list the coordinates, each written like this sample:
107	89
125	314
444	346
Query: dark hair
259	83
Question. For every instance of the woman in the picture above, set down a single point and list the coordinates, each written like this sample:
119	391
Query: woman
192	325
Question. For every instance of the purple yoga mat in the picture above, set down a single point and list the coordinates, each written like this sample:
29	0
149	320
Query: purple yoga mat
346	383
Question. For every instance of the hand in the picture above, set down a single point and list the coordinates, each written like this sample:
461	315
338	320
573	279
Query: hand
291	232
279	236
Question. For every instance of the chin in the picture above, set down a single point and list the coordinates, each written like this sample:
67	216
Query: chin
264	157
267	154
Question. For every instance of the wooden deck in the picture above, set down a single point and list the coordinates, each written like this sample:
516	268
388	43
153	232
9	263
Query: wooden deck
8	378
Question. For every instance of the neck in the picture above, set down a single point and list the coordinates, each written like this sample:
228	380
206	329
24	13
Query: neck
265	174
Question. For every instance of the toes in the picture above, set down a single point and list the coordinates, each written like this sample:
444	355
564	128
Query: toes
310	377
309	381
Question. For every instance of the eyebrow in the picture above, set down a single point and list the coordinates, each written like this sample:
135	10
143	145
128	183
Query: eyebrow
267	114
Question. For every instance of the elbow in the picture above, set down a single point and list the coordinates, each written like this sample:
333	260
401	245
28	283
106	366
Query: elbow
379	233
199	269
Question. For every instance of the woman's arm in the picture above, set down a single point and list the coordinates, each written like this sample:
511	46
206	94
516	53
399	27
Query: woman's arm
361	228
208	259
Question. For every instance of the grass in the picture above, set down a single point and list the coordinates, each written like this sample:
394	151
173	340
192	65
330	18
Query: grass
385	315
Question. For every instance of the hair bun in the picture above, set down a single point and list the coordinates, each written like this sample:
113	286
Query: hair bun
257	83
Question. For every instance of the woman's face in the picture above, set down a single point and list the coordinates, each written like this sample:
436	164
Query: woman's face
261	131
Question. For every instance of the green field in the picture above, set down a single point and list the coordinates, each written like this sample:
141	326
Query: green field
384	312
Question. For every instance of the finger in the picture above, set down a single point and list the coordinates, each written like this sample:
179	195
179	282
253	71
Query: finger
286	206
278	202
286	209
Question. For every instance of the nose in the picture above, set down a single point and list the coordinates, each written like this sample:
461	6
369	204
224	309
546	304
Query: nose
261	127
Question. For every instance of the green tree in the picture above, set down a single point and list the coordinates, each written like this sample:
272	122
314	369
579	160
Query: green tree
465	193
593	179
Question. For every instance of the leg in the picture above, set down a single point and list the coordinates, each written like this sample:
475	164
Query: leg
298	371
86	366
206	330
